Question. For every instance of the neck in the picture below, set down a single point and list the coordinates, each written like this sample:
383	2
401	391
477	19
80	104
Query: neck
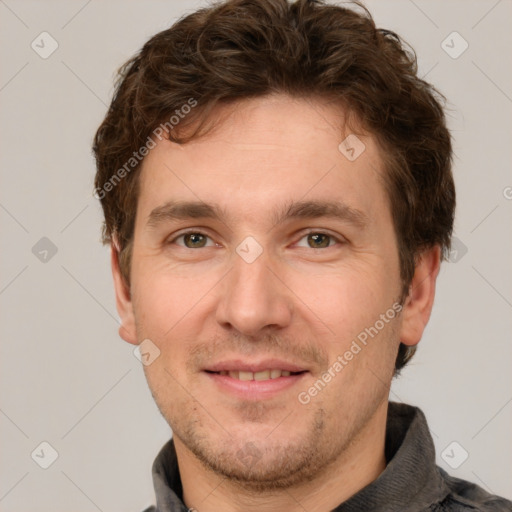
359	465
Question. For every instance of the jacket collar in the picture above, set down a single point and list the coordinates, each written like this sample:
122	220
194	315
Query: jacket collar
411	478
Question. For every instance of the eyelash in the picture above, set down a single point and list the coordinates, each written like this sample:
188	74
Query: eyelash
312	232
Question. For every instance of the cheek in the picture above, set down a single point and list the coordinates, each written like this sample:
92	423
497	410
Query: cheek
163	297
347	300
173	312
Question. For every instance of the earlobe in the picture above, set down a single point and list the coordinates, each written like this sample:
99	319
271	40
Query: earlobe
419	302
124	303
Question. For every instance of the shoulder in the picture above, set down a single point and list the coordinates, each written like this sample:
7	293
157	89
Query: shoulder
465	496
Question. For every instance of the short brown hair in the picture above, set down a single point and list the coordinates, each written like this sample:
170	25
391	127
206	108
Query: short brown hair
242	49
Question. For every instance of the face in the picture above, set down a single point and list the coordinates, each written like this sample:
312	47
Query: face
262	257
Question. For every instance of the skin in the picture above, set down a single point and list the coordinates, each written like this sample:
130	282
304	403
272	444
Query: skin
295	302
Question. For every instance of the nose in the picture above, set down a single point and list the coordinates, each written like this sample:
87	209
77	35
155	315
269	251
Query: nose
254	298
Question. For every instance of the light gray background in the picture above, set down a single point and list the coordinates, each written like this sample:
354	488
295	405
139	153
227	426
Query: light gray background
66	377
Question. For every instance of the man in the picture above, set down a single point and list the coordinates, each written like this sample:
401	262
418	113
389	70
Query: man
277	190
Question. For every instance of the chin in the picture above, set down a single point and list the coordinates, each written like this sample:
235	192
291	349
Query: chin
260	460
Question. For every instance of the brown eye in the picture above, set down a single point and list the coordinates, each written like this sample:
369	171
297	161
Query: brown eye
318	240
194	240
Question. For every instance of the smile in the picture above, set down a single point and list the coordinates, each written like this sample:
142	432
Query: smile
261	375
254	381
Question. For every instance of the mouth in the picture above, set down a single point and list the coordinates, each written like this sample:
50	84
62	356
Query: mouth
259	376
255	381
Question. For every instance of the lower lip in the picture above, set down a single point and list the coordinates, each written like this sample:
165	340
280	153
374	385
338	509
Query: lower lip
255	389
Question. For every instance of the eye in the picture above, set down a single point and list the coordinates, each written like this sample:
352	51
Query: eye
198	240
193	240
318	240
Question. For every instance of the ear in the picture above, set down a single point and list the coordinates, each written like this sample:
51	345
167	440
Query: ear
124	305
419	302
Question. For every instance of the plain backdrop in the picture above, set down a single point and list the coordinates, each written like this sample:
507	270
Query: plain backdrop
67	379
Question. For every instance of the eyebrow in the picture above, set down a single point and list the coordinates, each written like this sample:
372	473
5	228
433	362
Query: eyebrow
184	210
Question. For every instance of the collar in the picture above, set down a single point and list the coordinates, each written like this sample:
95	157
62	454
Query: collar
411	478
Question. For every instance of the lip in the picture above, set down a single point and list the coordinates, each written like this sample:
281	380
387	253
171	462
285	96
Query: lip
245	366
255	389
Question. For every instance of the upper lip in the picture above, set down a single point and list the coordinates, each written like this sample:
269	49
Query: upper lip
245	366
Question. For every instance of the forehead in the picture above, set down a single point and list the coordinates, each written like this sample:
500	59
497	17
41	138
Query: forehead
267	152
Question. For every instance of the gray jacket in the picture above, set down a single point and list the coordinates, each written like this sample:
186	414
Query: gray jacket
411	481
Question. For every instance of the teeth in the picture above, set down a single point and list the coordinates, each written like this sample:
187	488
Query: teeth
263	375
